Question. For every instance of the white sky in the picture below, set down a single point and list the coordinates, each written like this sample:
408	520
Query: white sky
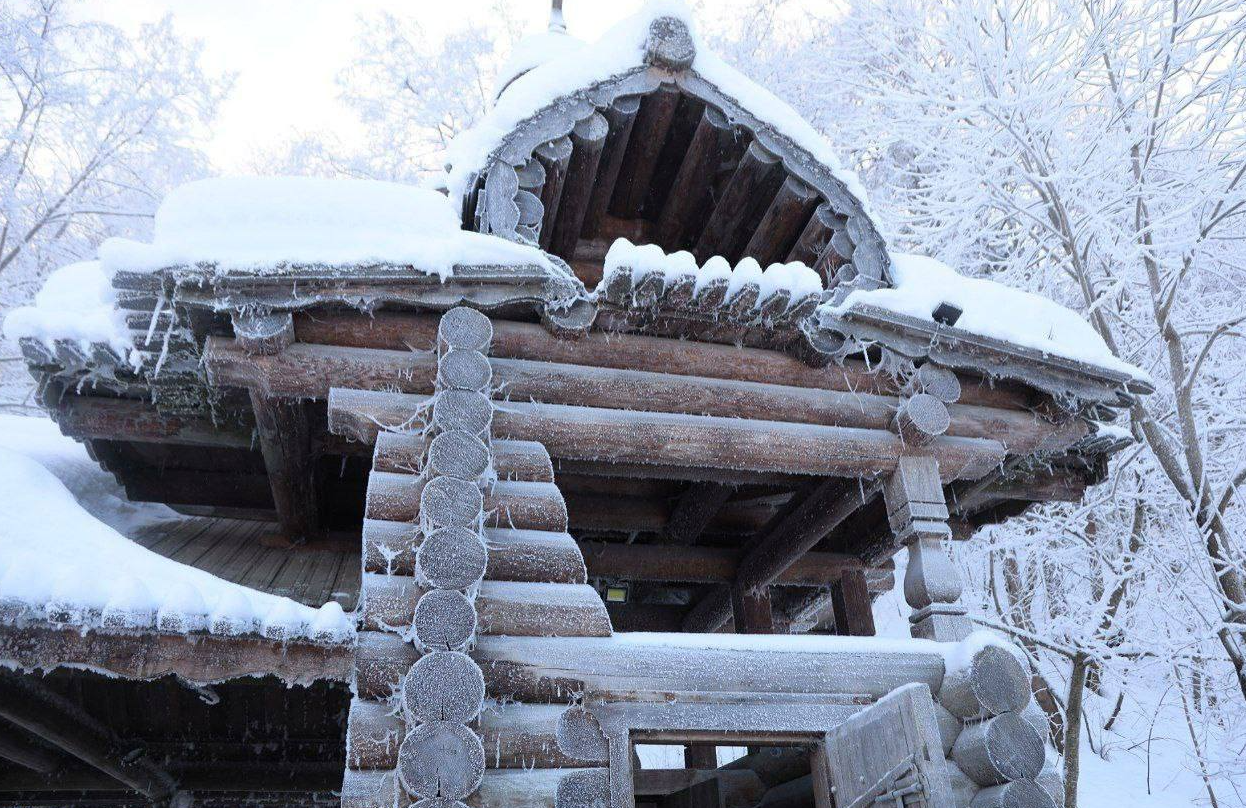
285	54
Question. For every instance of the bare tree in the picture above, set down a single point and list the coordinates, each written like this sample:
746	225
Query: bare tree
96	126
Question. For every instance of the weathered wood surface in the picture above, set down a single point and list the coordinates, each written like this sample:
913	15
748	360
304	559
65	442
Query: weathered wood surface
636	437
752	186
993	682
86	417
887	745
728	789
499	788
621	116
854	613
504	608
150	655
512	504
515	736
407	452
514	555
285	439
264	333
441	759
443	686
516	340
551	669
588	140
311	370
1019	794
653	121
664	563
444	619
451	558
774	764
998	750
782	222
464	329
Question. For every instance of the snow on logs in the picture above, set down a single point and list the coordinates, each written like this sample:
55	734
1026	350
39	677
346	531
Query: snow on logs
442	501
646	277
506	608
629	436
513	555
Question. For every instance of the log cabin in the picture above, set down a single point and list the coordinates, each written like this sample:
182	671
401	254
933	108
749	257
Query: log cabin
610	441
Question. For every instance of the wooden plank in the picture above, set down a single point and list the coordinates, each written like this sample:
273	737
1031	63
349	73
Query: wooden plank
782	222
588	139
854	612
621	115
692	187
694	511
131	420
752	186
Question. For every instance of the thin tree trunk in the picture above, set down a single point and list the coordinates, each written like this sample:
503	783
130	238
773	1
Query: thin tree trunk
1073	730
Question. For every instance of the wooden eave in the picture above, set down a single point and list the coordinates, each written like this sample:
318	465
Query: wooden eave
37	644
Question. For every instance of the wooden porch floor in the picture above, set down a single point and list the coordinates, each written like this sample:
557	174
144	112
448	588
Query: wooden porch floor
232	549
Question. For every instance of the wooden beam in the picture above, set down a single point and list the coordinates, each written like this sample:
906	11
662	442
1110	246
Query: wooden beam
627	436
285	441
694	511
753	184
309	371
50	716
751	611
782	222
653	122
151	655
693	185
555	155
588	139
515	340
87	417
27	755
828	504
621	115
709	565
854	612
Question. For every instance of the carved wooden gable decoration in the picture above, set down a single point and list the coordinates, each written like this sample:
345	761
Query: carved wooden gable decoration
662	155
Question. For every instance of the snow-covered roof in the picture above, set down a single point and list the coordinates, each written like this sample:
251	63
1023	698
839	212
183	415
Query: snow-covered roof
76	303
61	563
619	51
989	309
796	278
252	223
535	50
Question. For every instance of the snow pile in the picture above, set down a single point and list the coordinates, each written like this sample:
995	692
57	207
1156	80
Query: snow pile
621	50
59	562
644	259
258	223
76	303
989	309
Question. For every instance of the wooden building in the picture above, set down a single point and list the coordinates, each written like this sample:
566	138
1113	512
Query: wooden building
564	484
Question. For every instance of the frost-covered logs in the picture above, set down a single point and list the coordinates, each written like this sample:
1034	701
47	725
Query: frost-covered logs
996	756
437	576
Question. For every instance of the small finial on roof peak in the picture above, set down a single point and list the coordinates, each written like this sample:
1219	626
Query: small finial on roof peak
557	24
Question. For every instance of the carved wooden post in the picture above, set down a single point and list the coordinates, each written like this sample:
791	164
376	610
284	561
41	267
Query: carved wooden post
918	517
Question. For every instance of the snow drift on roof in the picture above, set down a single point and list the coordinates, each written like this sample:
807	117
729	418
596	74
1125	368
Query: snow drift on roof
621	50
62	563
76	303
253	223
535	50
989	309
795	278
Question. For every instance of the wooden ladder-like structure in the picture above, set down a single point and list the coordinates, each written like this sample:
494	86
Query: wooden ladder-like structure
464	536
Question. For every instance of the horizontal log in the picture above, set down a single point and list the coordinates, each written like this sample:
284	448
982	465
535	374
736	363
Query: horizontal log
623	514
499	788
633	437
1019	794
662	471
515	736
406	452
627	667
997	750
502	607
529	506
708	565
552	669
309	371
86	417
514	555
515	340
991	683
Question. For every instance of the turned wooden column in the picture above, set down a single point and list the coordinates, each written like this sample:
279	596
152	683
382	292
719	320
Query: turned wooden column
918	516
